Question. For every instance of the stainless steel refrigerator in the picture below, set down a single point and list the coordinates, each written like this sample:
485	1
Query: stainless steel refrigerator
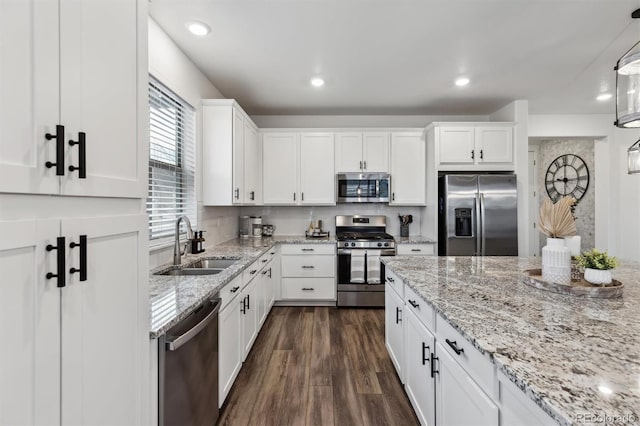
477	215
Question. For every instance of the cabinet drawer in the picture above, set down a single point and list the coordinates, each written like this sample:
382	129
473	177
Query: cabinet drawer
230	291
416	249
308	249
470	359
308	266
309	288
422	309
394	282
250	272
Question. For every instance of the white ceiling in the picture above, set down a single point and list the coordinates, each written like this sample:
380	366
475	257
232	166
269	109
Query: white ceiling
401	57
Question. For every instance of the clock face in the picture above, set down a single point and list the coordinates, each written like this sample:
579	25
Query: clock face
567	175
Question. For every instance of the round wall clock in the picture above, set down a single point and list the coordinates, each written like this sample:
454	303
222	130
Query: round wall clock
567	175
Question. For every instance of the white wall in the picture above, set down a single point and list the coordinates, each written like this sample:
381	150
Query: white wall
174	69
617	206
324	121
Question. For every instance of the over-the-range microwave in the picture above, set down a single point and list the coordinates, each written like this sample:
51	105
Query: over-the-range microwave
363	187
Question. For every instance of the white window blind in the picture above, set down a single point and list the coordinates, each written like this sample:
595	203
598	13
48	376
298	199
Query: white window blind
171	163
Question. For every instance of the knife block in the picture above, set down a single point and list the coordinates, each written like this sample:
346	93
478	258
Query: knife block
404	230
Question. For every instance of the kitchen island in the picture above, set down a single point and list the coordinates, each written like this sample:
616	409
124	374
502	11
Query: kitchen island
576	358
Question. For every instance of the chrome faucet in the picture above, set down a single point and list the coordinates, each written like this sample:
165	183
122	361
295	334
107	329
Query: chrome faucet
176	248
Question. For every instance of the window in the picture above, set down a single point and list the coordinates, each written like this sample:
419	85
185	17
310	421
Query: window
171	163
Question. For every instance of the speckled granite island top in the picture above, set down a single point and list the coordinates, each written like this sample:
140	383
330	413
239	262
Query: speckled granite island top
570	355
172	298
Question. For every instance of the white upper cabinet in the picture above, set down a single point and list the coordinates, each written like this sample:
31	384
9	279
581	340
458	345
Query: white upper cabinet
297	168
230	155
473	146
317	176
408	169
358	152
65	66
280	168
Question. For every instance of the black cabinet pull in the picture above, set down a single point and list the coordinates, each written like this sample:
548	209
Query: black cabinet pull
60	274
433	364
272	253
454	345
243	308
425	348
307	249
252	195
308	266
269	272
59	137
308	288
398	312
302	196
365	165
253	271
237	191
413	303
83	258
360	165
481	155
391	280
82	155
294	196
393	196
234	289
265	272
248	301
473	154
264	260
416	249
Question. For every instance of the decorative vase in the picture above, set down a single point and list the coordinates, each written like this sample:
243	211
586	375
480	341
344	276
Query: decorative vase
556	262
597	276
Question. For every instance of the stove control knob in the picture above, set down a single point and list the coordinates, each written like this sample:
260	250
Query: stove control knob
386	244
379	244
353	244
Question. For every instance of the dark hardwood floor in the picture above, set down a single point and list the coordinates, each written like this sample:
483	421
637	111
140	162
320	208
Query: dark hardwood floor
318	366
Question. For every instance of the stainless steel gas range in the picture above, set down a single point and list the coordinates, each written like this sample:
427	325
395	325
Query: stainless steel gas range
362	240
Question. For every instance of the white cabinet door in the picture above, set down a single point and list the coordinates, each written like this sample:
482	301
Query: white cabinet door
252	166
455	389
103	78
375	152
29	323
393	330
249	317
230	344
105	321
408	163
348	152
494	144
317	175
420	386
456	145
238	158
280	168
30	92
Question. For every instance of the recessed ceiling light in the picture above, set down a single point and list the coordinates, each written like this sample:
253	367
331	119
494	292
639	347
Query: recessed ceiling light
462	81
317	82
198	28
604	96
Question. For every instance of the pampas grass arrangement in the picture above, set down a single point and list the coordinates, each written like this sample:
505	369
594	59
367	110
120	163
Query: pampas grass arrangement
556	220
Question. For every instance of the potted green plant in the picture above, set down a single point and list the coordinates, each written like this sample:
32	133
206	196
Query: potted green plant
597	266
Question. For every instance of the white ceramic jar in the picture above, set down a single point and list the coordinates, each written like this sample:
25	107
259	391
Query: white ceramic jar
556	262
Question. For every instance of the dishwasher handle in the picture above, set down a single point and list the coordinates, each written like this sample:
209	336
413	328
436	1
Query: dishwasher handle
174	343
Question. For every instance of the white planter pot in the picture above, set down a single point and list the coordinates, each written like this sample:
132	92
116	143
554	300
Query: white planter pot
597	276
556	262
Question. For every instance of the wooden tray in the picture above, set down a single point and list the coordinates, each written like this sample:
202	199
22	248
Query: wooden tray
533	278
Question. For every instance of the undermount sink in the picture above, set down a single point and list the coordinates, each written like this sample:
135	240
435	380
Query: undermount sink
192	271
202	267
213	263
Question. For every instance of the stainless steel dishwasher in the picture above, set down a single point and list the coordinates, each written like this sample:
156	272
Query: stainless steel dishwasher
188	364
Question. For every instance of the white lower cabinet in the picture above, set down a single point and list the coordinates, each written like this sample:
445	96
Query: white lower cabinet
249	312
459	400
416	249
308	272
393	330
419	383
230	353
54	371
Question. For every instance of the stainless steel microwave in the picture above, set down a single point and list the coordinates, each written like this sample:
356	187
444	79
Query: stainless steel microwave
363	187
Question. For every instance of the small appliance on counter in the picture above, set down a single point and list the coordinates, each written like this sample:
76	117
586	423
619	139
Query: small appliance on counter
267	230
250	226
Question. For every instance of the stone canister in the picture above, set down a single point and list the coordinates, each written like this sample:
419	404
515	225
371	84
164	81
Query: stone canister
556	262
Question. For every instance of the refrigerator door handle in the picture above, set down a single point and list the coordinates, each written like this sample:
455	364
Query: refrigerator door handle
482	230
478	218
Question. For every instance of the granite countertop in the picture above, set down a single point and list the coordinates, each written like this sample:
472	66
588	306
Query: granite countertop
172	298
570	355
414	239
